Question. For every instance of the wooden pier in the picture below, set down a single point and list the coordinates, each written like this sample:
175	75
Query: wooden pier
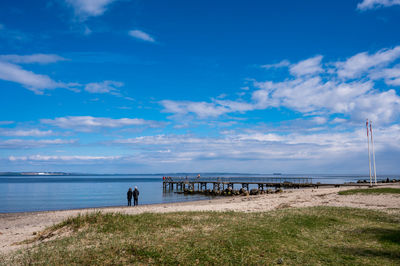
232	183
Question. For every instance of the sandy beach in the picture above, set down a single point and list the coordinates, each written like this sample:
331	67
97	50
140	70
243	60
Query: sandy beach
16	227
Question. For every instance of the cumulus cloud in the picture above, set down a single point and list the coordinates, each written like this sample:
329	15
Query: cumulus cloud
361	63
89	123
25	133
344	88
373	4
89	8
34	58
356	99
107	86
138	34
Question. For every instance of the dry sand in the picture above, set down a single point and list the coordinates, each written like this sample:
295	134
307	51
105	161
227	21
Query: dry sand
16	227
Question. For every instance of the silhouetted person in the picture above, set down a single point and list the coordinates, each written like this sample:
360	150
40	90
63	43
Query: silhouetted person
135	196
129	196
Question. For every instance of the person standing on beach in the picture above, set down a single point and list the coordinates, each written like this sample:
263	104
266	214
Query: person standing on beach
129	196
135	196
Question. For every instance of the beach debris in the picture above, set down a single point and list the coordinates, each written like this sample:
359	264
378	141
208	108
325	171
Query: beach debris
280	261
254	191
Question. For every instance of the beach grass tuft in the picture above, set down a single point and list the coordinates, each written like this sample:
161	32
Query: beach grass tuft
318	235
385	190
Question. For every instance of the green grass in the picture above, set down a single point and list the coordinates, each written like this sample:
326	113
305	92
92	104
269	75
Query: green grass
371	191
319	235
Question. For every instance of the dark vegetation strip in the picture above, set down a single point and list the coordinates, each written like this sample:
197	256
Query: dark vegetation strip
319	235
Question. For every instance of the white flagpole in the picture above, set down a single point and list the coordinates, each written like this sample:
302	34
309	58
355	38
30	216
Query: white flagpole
373	151
369	156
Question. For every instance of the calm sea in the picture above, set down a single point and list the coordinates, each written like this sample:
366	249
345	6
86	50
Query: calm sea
42	193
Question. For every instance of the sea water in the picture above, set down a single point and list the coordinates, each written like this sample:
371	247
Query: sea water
44	193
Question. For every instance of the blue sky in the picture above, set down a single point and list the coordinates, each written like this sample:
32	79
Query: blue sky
128	86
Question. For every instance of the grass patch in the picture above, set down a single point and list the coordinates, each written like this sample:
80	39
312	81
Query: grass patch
386	190
319	235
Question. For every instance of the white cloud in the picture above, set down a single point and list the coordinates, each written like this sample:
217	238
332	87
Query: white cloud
10	71
263	146
168	140
391	76
235	106
205	109
357	99
138	34
89	8
307	67
283	63
34	82
338	120
201	109
34	58
28	144
319	120
107	86
318	89
25	133
373	4
359	64
243	150
89	123
39	157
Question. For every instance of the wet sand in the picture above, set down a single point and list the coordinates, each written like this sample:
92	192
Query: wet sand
16	227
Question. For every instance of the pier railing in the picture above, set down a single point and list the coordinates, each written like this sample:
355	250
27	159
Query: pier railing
244	179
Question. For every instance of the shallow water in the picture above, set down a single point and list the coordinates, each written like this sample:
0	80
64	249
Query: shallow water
41	193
